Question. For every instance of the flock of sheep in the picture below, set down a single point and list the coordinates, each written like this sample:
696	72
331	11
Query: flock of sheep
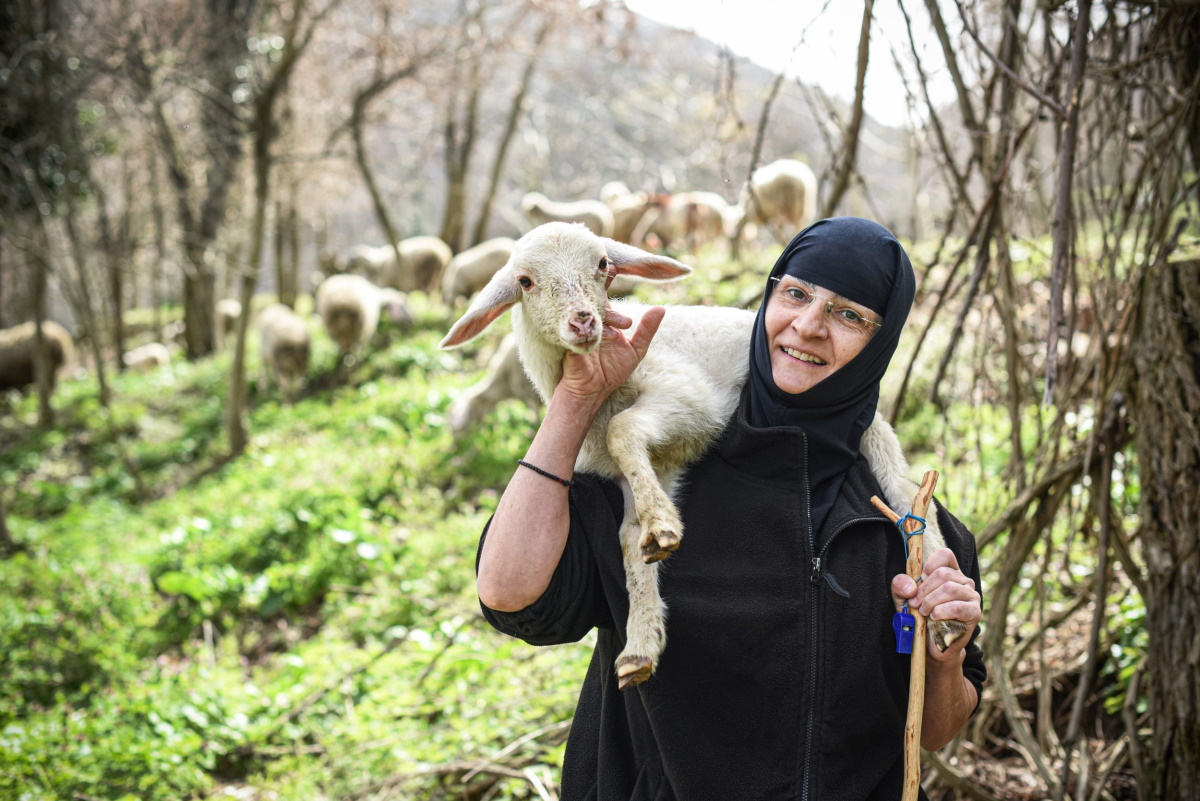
353	291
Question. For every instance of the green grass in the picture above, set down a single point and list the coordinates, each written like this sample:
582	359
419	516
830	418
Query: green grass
301	620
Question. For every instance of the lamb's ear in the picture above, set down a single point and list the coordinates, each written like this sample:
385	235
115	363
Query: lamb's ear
636	262
492	301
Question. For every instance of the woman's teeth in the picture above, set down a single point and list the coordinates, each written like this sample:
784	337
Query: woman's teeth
804	357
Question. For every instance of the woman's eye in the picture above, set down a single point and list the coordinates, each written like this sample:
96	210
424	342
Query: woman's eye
799	295
850	315
525	282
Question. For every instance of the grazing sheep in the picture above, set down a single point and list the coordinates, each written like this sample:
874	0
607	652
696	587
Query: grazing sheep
147	357
505	379
349	307
229	312
422	260
17	347
664	417
469	271
691	217
284	346
393	307
629	209
593	213
613	190
786	192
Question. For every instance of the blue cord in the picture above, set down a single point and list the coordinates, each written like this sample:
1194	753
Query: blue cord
906	535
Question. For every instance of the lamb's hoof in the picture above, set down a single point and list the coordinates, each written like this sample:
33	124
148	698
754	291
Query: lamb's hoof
945	632
659	545
633	670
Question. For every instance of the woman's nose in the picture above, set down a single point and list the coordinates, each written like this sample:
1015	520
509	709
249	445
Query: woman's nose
812	320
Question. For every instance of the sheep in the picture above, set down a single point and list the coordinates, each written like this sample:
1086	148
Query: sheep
505	379
469	271
283	346
694	217
349	307
663	418
229	311
393	307
629	209
422	260
593	213
17	348
147	357
785	196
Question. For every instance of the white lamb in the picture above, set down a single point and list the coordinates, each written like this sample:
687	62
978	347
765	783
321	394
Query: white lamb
505	379
691	217
673	405
469	271
349	308
283	346
784	197
422	260
229	312
595	214
146	357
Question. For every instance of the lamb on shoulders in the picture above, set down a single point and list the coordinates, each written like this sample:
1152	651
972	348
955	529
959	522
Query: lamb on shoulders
660	420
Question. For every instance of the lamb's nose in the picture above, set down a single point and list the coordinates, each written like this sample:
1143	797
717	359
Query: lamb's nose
583	323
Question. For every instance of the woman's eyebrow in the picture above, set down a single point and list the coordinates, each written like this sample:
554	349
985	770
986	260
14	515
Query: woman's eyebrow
832	295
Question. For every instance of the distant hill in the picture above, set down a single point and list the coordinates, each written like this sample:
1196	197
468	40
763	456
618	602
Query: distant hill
652	106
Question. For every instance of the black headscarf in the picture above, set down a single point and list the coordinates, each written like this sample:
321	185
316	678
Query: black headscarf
860	260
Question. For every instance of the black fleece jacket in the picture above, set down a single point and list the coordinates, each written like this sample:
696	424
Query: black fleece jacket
780	678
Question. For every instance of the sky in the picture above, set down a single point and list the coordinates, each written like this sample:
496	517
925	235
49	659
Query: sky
819	44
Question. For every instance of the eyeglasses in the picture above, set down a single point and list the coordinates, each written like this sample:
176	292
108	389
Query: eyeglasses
800	298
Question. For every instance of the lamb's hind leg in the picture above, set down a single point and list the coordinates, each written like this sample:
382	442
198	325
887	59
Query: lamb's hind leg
629	434
645	628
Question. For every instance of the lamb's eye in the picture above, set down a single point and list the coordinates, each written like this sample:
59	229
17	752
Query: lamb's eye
525	282
603	266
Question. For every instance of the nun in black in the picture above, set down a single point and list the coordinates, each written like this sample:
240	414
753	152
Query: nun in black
780	679
862	262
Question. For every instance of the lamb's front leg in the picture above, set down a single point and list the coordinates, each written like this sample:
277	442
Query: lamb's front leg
645	628
630	434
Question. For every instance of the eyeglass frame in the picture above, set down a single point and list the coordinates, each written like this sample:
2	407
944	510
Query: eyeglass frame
830	305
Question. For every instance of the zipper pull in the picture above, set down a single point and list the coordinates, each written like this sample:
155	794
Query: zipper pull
816	571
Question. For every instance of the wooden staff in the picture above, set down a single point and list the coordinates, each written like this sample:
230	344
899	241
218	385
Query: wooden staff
916	683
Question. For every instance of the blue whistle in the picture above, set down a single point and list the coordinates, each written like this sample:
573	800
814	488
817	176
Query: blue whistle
902	624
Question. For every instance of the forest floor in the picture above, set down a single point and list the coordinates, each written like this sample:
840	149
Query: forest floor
300	622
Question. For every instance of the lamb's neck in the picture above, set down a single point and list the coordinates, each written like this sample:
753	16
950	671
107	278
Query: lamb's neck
541	360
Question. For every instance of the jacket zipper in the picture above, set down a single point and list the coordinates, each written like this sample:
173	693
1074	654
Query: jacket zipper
815	580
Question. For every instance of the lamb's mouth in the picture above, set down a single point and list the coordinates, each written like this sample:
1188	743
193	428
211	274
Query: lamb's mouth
804	357
584	346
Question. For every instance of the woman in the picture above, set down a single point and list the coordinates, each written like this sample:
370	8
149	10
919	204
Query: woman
780	679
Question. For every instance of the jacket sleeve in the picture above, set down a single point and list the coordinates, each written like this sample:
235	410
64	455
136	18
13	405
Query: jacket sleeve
960	540
575	602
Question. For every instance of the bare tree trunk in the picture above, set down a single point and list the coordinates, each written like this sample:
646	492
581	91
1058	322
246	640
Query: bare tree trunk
841	178
42	368
510	128
459	135
292	273
82	300
112	244
235	404
1167	397
277	242
1063	224
3	290
266	129
8	545
160	250
358	114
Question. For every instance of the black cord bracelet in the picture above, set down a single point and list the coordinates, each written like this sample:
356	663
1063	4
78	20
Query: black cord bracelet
537	469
